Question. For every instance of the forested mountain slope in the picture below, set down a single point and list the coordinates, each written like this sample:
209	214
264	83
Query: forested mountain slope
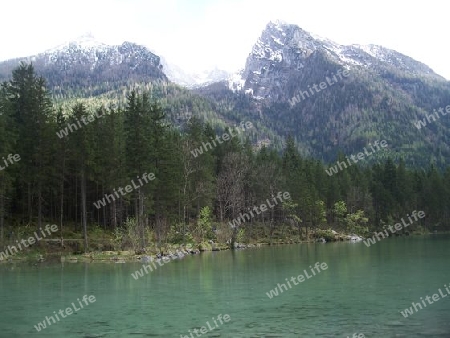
294	83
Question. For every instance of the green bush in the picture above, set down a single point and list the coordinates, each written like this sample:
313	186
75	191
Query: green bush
240	236
326	234
131	234
175	234
204	224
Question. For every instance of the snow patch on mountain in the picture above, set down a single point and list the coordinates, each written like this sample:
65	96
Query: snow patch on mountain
377	52
236	81
86	41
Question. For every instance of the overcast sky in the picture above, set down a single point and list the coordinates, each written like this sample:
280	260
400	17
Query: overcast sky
201	34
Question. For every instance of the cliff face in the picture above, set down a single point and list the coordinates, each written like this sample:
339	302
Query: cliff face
286	59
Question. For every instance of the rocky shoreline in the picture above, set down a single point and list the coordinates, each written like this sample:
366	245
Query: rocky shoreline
172	251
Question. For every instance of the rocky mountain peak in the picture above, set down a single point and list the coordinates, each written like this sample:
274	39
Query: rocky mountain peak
285	53
89	63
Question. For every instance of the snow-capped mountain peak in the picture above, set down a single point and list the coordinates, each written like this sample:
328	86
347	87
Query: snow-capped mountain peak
86	41
285	52
94	64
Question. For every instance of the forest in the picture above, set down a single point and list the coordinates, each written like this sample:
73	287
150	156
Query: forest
50	177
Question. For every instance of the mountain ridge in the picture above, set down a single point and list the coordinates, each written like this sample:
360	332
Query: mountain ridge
87	63
384	94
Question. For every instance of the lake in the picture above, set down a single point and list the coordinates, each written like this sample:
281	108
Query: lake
362	291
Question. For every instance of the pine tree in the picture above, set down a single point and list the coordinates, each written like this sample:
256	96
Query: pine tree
81	149
33	121
7	145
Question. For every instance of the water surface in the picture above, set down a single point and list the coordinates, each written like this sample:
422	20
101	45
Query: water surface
362	291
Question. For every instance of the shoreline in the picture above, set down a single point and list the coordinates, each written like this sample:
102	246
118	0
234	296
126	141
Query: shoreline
129	256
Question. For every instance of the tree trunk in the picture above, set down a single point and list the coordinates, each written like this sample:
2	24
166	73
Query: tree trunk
141	218
83	209
39	205
76	203
2	215
30	209
114	215
103	211
61	201
184	207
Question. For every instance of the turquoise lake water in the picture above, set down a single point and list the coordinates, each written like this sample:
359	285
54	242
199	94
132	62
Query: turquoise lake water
362	291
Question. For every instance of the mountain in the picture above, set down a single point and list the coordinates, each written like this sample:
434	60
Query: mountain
286	53
293	84
92	66
331	98
188	79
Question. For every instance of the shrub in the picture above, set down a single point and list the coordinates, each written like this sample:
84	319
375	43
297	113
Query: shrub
204	227
326	234
176	234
